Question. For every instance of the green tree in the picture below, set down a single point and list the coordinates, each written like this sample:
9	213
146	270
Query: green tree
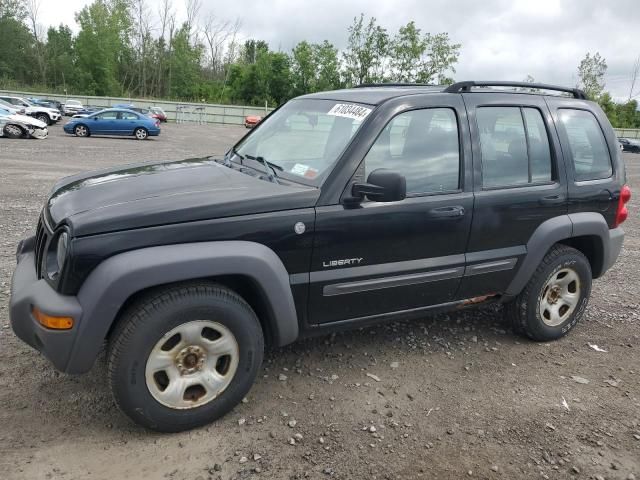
15	9
103	46
591	73
279	78
186	65
60	57
609	107
17	60
422	58
303	68
367	52
328	65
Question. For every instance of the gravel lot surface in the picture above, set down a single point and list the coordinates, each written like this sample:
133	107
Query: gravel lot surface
454	396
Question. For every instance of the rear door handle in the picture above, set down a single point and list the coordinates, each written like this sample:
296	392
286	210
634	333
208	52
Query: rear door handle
456	211
553	200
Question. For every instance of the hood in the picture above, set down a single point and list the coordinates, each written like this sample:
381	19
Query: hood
39	108
152	194
26	120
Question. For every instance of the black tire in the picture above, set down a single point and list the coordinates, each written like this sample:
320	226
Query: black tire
141	133
43	117
145	323
524	312
79	132
11	131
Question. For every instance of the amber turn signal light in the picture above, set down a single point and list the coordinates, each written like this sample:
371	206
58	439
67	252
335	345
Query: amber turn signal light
54	323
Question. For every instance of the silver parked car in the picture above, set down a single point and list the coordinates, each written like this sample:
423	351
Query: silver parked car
13	125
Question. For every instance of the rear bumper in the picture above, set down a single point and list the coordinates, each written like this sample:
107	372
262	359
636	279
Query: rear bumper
616	239
28	292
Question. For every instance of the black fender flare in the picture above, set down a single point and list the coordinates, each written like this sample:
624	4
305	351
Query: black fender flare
115	280
561	228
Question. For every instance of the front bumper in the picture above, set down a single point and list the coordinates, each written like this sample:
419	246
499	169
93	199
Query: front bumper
27	292
39	133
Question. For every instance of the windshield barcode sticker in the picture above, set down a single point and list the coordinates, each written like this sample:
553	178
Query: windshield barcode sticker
349	110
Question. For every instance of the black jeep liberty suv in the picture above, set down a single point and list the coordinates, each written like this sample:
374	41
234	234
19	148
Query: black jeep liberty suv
339	210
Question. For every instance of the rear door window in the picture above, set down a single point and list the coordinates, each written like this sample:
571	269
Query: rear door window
587	145
515	147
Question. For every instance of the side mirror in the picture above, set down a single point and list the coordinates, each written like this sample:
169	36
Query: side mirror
383	185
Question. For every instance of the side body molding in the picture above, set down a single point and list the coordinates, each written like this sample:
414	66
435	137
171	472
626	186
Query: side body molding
562	228
109	286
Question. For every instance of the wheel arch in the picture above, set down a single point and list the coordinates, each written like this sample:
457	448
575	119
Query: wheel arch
251	269
587	232
243	285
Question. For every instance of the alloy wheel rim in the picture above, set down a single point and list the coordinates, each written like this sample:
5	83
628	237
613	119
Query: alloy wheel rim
13	130
560	297
192	364
81	131
141	134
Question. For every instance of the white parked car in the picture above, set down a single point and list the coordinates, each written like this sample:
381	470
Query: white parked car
13	125
12	108
71	107
44	114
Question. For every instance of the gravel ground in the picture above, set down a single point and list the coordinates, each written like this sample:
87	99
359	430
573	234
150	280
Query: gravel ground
454	396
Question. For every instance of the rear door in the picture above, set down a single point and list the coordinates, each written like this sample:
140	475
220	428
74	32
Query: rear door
126	123
520	182
381	258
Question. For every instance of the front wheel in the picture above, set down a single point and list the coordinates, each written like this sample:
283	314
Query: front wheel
555	298
184	356
12	131
141	133
81	131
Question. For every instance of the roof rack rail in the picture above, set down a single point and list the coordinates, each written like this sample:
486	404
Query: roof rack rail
460	87
396	84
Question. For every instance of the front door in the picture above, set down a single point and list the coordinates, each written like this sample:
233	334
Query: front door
380	258
104	123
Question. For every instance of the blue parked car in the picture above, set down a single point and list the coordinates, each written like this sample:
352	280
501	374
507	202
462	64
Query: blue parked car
114	121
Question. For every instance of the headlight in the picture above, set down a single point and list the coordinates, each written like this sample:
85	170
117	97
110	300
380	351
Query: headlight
61	249
57	254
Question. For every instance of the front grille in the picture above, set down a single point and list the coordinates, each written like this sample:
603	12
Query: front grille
41	244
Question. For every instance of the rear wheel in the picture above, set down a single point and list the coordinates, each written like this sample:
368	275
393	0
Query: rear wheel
43	117
141	133
12	131
555	298
184	356
81	131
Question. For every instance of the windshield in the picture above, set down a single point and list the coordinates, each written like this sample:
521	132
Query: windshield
305	137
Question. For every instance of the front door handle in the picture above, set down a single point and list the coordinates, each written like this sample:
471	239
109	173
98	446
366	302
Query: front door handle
456	211
553	200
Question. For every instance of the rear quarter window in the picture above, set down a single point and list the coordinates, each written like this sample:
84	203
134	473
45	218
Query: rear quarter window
587	146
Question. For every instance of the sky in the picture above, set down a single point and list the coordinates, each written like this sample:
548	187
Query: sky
501	39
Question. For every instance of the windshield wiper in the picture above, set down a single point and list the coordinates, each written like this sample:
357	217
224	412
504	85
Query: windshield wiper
235	152
269	167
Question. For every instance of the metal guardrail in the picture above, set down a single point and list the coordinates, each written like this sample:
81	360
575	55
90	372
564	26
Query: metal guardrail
627	132
180	112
